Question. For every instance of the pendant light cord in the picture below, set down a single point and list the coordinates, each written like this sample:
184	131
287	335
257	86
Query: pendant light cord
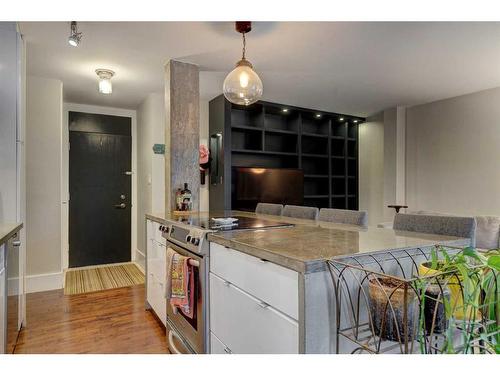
244	45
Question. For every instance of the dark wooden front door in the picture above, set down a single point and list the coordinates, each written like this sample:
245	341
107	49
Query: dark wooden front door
100	186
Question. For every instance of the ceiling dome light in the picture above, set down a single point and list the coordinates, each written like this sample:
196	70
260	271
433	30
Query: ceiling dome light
75	37
105	75
243	86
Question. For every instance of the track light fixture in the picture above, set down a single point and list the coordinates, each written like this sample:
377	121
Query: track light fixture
74	37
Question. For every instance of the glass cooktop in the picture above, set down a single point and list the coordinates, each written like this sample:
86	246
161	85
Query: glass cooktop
243	223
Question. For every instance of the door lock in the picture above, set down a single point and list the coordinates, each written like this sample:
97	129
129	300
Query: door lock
122	197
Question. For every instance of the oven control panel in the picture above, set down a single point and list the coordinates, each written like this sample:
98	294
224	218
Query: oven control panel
190	237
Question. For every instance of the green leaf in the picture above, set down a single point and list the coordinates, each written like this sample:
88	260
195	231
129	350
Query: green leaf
494	262
471	252
434	258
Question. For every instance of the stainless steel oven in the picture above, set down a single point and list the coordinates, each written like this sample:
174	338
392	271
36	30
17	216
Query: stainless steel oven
186	334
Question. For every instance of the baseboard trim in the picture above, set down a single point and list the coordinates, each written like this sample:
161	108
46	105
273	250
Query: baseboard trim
141	268
44	282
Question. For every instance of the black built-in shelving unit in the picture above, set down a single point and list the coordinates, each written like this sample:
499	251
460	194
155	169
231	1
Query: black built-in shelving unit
269	135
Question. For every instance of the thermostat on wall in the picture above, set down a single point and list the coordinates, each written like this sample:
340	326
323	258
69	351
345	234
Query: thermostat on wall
159	148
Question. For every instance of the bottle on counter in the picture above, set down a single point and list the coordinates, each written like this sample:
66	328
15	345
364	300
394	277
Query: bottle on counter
186	198
178	199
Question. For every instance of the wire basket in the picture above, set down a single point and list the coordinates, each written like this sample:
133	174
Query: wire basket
397	302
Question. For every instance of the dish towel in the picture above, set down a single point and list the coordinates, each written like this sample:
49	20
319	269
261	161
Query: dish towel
180	282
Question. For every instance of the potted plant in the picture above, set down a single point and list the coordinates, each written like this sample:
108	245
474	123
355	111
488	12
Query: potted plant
472	282
392	308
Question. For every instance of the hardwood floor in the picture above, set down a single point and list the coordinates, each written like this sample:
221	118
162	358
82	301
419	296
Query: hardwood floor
111	321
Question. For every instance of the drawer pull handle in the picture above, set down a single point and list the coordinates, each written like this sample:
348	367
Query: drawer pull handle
227	350
263	304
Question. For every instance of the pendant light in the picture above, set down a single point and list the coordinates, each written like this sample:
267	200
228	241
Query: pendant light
243	86
105	75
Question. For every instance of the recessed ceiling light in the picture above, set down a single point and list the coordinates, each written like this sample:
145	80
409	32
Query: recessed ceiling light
318	115
285	110
74	37
341	119
105	75
355	121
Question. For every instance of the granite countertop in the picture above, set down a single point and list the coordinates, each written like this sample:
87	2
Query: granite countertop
7	230
159	217
305	246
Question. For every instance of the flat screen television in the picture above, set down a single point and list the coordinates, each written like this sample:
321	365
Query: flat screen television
250	186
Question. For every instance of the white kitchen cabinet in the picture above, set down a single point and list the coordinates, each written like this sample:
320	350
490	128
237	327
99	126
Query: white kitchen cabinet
246	324
156	271
217	346
275	285
156	297
157	234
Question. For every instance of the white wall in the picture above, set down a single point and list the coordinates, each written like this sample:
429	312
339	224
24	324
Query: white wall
394	159
371	168
44	115
453	155
150	166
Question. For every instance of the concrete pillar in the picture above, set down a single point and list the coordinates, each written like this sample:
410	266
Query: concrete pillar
182	131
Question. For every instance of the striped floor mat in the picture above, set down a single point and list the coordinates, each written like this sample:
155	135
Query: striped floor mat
85	280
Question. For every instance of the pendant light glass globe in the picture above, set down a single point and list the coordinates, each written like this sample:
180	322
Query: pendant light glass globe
242	85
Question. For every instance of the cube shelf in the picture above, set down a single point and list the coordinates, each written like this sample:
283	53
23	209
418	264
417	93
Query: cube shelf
271	135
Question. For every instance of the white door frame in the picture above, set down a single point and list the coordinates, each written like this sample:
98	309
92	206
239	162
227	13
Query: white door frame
73	107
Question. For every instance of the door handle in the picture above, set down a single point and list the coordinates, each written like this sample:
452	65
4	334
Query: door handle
263	304
16	243
121	205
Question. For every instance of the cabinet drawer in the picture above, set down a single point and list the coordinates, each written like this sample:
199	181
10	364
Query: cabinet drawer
150	230
156	260
217	346
156	297
248	325
275	285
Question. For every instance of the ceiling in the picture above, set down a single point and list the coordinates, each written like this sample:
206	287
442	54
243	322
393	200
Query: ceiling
356	68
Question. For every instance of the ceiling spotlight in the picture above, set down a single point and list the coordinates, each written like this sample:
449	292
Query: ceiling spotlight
242	85
285	110
75	37
318	115
105	75
341	119
355	121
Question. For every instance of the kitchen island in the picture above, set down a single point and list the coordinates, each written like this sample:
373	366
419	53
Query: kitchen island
270	290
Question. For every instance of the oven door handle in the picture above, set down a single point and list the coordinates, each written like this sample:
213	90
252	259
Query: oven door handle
171	342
